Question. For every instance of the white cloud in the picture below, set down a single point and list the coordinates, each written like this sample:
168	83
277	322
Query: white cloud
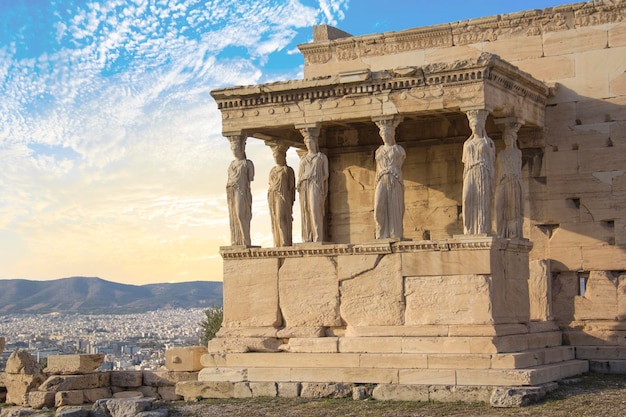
111	145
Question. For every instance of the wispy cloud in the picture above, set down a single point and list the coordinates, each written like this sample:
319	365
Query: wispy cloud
112	155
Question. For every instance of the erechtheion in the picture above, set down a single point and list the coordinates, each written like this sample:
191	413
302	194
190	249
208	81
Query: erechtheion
464	197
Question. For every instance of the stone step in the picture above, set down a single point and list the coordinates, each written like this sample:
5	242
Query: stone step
613	366
601	352
392	360
421	376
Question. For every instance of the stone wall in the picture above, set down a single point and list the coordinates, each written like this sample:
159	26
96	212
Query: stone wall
575	175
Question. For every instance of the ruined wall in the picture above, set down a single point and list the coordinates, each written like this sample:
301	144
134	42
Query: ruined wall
575	180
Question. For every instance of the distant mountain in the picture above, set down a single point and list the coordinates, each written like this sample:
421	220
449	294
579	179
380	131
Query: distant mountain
96	296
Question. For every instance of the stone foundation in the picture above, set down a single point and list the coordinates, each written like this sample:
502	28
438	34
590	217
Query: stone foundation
447	319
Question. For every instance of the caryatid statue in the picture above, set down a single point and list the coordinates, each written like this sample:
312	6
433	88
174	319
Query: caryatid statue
281	195
389	191
478	176
238	194
509	201
312	186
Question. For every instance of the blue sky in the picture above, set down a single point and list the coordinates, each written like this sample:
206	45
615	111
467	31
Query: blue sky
113	164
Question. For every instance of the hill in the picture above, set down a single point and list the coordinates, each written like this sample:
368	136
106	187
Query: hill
96	296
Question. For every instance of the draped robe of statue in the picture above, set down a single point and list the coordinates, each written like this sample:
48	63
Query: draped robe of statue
280	196
509	206
239	199
478	173
312	188
389	192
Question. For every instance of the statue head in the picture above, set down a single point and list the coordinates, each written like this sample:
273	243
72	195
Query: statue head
238	146
279	151
310	140
477	120
387	130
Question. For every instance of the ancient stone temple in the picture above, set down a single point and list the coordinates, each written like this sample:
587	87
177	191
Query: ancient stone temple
463	207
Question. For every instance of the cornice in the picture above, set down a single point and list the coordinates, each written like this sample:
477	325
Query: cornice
520	24
278	96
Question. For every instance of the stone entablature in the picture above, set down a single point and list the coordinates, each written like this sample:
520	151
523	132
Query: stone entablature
487	82
487	29
375	248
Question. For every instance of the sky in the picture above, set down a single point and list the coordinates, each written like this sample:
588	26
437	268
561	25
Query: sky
112	162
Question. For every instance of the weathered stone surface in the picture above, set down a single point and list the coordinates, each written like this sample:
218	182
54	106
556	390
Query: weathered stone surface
71	411
159	412
184	359
366	298
128	407
243	344
76	382
242	390
40	399
517	396
309	292
448	393
94	394
394	392
127	379
460	299
325	390
2	344
75	397
190	390
263	389
73	364
288	389
128	394
167	378
19	385
168	393
147	391
223	374
253	289
361	392
540	290
22	362
600	299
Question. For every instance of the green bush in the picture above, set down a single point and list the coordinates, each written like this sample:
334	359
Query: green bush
211	324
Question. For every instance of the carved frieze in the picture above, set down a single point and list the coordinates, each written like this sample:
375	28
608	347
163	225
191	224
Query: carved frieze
488	29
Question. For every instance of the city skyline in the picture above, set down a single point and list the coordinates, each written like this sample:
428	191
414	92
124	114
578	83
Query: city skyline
114	165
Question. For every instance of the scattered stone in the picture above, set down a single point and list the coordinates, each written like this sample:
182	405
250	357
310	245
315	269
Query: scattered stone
326	390
168	394
160	412
128	394
41	399
289	389
510	397
73	364
393	392
128	379
361	393
71	412
128	407
20	385
22	362
184	359
94	394
75	397
77	382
